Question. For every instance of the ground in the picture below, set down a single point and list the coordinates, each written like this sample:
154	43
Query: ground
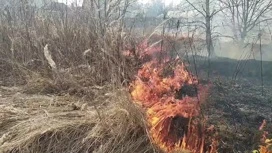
32	121
237	109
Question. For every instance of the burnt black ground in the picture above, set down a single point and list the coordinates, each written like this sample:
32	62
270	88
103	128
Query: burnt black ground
237	110
236	106
230	68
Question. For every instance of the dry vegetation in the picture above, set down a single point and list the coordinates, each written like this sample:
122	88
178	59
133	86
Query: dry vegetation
39	123
76	103
25	31
64	81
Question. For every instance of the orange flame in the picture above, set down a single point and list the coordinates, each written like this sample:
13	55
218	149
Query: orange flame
160	88
266	146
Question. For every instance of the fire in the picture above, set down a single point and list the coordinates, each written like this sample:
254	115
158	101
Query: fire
171	97
266	146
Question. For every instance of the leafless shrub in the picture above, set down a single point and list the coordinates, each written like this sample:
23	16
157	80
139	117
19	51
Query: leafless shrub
69	32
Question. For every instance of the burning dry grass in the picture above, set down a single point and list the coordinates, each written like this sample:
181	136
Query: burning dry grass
266	147
69	124
171	97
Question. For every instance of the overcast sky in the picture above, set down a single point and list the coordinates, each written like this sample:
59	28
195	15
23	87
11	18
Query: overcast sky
167	2
79	2
69	2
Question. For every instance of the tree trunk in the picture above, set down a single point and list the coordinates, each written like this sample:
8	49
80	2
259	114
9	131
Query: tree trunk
209	41
243	35
234	28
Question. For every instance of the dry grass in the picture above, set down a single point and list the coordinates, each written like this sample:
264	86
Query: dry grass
25	32
44	124
77	104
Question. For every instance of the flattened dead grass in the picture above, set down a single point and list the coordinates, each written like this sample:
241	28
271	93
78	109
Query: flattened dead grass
58	124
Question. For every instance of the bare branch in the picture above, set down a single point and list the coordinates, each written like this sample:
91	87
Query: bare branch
246	14
196	8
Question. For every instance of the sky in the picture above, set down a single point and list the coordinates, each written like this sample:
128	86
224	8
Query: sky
167	2
69	2
79	2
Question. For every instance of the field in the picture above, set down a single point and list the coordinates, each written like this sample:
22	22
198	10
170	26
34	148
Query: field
77	81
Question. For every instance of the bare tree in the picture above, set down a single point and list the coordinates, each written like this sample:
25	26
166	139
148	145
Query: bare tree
208	13
245	15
